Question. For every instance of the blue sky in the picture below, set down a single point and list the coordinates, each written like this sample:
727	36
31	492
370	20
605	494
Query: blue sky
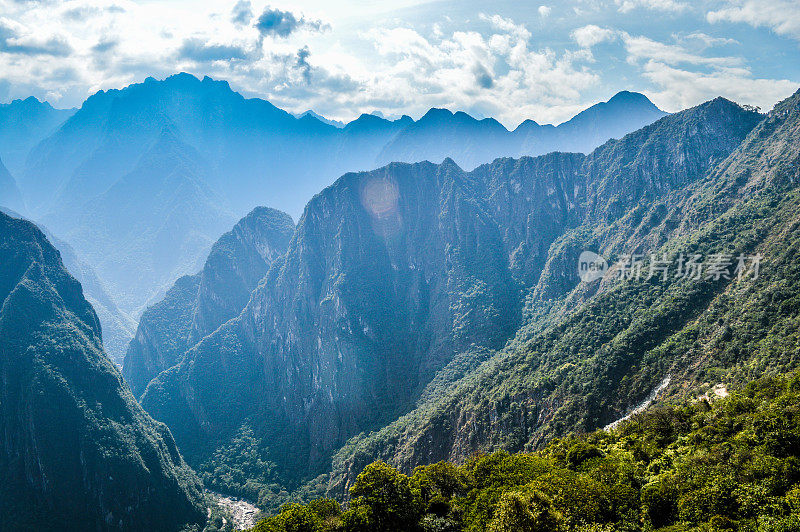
508	59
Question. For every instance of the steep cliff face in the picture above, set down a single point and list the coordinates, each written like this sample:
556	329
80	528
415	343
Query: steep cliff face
196	305
235	265
77	451
389	273
162	335
603	347
392	273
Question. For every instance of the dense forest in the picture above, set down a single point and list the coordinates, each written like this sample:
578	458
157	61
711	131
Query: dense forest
718	462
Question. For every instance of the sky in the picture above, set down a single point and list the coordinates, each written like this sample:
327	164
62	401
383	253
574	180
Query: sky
511	60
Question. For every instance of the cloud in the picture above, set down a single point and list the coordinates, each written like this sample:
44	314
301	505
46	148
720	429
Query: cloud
544	11
17	39
590	35
658	5
681	88
201	51
641	48
496	73
106	44
242	13
685	78
781	16
482	76
302	63
80	13
704	40
283	23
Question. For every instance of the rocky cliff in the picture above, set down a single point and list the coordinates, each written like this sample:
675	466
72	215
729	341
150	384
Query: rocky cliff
394	272
196	305
593	351
78	452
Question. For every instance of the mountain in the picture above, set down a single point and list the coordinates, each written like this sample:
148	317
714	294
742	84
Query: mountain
117	326
471	142
335	123
623	113
246	152
440	134
77	450
10	196
401	281
670	468
160	219
593	352
23	124
197	305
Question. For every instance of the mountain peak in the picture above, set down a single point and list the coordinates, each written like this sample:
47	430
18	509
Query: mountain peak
436	113
630	98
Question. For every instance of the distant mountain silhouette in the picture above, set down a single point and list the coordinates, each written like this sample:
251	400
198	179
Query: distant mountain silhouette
246	152
335	123
470	142
23	124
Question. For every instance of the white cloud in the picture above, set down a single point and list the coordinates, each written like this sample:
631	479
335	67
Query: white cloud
659	5
683	88
544	11
489	64
644	48
495	74
685	78
704	40
590	35
782	16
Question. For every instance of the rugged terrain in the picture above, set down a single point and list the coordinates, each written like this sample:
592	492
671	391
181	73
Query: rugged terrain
78	452
398	284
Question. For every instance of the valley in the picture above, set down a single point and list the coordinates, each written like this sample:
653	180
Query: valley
416	349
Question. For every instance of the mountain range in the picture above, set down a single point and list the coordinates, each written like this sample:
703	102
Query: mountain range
206	155
423	312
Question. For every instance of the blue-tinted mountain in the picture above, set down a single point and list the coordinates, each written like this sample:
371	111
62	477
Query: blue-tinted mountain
400	281
471	142
117	326
440	134
196	305
321	118
23	124
592	352
10	196
151	226
250	153
78	452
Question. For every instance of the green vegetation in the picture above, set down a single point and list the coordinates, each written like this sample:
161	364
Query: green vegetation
733	464
77	452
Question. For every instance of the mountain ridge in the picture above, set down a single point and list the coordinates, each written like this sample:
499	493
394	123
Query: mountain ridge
77	451
398	270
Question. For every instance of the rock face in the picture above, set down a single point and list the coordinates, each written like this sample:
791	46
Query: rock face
77	453
714	180
391	273
196	305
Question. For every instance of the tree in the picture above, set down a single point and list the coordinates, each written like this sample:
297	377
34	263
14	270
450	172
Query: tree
525	512
387	495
